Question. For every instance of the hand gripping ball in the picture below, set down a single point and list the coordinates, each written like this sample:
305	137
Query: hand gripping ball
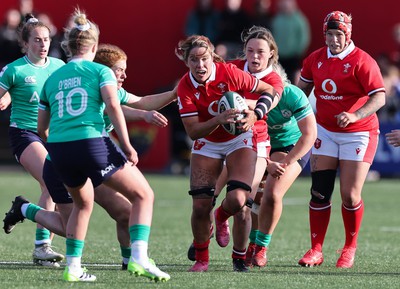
229	100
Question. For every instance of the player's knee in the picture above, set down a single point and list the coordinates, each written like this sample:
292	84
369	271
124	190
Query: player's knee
234	185
323	184
238	201
203	193
203	200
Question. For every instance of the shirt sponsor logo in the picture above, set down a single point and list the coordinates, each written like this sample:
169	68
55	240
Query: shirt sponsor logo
213	108
280	126
30	79
331	97
330	87
107	170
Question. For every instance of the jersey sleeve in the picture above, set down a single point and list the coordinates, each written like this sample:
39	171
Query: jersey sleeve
306	72
123	96
43	100
276	82
243	81
107	77
369	75
6	78
186	104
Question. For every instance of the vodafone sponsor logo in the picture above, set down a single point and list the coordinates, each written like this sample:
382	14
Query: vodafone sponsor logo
329	87
213	108
331	97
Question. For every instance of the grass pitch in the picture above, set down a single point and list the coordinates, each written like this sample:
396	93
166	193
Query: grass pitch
377	261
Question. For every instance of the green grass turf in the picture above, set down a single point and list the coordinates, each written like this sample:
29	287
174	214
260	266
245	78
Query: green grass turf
377	262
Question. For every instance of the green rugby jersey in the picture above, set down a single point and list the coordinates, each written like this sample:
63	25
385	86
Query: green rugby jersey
73	96
24	81
123	98
282	120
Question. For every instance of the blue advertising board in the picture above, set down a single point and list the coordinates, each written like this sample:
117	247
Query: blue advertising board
387	158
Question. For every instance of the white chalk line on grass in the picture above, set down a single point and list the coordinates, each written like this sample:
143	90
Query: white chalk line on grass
390	229
84	264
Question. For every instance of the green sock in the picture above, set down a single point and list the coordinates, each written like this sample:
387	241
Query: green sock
42	237
74	247
253	235
263	239
31	212
125	252
139	232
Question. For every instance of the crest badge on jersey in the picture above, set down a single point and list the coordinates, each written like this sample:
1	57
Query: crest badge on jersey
286	113
222	86
346	67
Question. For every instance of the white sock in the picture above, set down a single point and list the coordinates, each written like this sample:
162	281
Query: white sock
24	207
125	260
42	242
139	252
74	265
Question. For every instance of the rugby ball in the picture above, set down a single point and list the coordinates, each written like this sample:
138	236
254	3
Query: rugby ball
229	100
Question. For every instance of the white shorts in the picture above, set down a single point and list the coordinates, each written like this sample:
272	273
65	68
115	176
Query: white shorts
263	149
219	150
352	146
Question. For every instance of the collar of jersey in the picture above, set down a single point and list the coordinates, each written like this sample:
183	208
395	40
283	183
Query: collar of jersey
211	78
258	75
344	53
35	65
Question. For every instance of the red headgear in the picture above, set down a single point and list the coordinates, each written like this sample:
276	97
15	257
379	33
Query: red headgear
338	20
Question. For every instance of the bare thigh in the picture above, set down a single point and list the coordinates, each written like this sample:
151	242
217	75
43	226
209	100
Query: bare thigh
204	171
130	182
32	159
352	179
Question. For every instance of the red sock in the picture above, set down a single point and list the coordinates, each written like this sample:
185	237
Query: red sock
238	254
221	214
201	251
352	218
319	221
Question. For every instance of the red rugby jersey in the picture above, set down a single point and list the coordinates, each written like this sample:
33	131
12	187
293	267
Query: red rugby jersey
202	100
271	77
342	82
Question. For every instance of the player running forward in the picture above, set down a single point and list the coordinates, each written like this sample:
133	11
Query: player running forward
72	104
198	93
260	56
21	82
116	205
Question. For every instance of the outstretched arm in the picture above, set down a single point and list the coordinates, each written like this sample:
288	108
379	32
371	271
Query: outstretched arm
153	101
